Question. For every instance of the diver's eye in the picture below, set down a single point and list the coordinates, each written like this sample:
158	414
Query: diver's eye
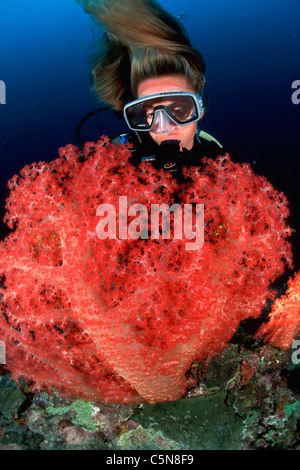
182	113
149	115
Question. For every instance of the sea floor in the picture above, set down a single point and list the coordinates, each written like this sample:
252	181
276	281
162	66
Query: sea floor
247	399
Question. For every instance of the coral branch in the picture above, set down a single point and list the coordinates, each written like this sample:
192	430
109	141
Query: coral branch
284	324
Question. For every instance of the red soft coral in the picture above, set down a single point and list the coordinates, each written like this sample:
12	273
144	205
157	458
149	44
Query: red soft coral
284	324
123	319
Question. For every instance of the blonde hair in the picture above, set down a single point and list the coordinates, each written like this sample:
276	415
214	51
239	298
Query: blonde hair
141	40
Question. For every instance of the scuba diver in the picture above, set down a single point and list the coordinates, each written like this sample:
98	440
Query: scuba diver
148	70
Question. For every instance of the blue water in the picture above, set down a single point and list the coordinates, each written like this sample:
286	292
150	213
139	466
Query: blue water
252	52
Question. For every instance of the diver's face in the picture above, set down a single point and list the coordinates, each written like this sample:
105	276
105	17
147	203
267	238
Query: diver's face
150	86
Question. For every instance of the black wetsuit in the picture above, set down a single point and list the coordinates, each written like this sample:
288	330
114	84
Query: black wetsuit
168	155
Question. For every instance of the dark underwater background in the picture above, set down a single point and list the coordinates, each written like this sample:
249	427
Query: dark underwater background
252	52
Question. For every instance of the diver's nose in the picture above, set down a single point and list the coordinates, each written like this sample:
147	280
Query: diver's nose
162	123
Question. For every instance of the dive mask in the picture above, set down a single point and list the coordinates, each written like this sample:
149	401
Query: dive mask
162	112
